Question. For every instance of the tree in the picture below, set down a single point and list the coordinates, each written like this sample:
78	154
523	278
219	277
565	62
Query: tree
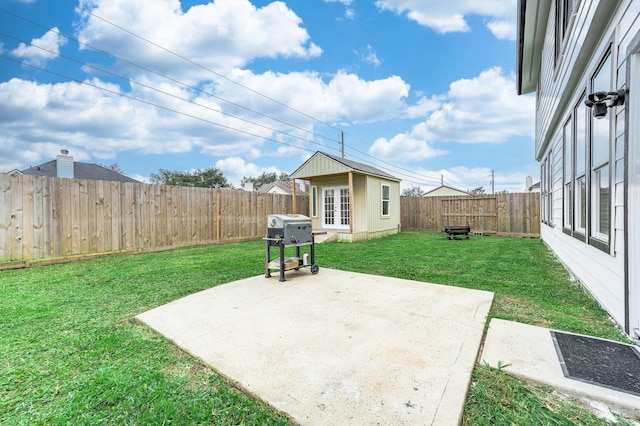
204	178
264	178
114	167
477	191
414	191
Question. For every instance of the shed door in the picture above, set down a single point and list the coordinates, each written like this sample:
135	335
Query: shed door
335	207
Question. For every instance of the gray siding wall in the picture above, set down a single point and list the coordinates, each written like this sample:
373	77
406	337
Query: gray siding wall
595	25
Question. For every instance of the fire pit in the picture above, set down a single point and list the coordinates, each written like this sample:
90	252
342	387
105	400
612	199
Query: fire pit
452	231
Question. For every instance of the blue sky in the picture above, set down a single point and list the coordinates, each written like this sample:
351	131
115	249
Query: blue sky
423	89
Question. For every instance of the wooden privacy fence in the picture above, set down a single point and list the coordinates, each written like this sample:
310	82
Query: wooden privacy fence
42	217
503	214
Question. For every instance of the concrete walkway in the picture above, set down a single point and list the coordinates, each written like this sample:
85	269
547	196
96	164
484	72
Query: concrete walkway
528	352
337	347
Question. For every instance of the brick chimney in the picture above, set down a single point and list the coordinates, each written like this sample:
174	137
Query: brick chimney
64	165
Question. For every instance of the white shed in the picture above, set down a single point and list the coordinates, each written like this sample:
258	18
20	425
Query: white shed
353	201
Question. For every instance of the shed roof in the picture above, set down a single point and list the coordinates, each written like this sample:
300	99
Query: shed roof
323	164
80	171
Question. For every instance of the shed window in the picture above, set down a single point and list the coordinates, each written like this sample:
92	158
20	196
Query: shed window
385	200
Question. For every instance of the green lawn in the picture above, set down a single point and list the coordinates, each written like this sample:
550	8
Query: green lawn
72	353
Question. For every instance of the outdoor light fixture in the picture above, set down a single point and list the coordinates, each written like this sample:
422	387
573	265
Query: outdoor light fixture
597	101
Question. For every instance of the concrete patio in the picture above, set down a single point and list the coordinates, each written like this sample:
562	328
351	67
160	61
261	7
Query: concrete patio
355	349
337	347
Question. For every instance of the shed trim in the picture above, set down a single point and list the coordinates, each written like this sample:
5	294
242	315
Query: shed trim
350	166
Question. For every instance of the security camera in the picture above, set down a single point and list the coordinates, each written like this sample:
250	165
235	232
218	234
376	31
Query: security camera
597	101
599	110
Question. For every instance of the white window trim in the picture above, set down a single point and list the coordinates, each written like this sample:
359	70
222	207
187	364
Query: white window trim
314	201
388	200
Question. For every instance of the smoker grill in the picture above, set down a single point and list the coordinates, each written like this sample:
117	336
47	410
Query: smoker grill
289	230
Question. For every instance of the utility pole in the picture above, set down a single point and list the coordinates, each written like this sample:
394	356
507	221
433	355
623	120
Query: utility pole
493	179
342	144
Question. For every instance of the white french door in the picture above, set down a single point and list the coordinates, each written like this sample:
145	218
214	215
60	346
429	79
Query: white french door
335	207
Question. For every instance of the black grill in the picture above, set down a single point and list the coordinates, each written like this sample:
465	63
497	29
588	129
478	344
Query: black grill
293	229
289	230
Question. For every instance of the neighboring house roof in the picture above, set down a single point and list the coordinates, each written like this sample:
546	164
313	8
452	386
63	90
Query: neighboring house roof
444	190
534	188
280	187
321	164
80	171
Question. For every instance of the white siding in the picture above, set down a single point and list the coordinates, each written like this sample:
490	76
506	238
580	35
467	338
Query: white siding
594	26
600	273
560	84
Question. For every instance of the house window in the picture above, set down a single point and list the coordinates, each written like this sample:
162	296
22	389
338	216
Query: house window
580	167
587	175
600	158
385	200
314	201
567	142
546	189
565	9
543	191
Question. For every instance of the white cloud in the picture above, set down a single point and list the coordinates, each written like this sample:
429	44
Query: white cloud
445	16
484	109
467	179
218	35
349	13
423	106
41	50
344	96
470	178
403	146
369	56
99	124
236	168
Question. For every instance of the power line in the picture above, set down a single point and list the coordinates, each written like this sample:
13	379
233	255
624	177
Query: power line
204	67
150	103
162	91
119	58
419	175
404	172
221	76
